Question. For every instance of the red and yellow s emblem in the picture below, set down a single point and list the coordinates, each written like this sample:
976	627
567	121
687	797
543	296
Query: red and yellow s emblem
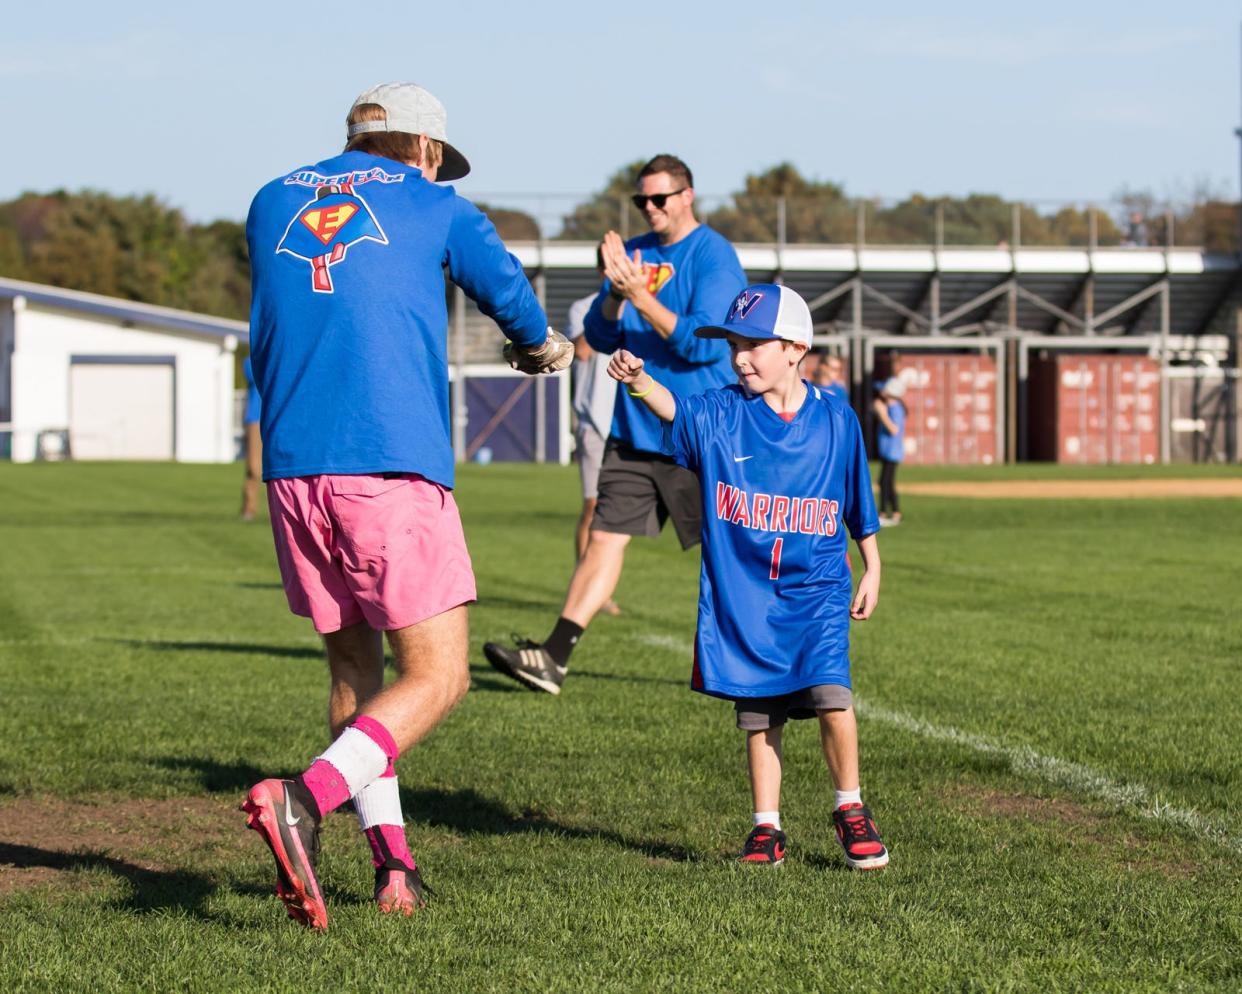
324	223
658	274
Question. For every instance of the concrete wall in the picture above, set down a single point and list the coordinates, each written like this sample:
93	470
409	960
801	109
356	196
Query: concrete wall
46	339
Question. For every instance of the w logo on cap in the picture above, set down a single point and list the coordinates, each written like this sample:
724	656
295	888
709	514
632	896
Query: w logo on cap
743	304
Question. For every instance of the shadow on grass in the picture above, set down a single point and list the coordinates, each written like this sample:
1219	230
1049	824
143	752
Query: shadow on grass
261	586
470	813
238	648
153	891
216	777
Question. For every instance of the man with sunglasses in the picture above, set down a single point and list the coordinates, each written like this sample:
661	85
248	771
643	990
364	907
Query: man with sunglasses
658	288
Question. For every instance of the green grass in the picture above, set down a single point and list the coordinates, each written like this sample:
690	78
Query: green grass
1050	738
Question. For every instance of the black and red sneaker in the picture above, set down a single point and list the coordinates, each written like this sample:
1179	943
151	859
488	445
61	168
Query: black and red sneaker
399	889
766	844
859	837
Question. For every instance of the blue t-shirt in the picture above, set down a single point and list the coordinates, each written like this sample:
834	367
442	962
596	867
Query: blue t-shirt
349	320
893	446
695	278
254	406
774	588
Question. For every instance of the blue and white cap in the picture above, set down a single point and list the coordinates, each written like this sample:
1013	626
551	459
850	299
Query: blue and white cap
765	310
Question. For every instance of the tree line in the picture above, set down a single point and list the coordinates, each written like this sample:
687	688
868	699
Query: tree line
138	248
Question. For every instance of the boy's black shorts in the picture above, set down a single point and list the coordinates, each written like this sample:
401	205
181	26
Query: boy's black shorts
755	714
639	491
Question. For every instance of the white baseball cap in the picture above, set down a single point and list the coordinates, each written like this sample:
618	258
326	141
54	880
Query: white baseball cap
412	110
894	386
765	310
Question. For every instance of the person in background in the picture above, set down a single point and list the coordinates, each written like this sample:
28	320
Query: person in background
594	395
891	414
252	442
830	375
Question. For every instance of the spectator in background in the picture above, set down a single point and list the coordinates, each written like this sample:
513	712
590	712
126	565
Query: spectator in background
891	412
594	395
830	374
1136	233
252	446
810	365
660	286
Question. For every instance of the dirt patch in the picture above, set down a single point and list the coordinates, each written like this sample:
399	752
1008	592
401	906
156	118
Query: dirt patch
1080	489
43	839
1082	825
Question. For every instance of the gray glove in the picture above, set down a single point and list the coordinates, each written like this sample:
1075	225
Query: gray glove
555	354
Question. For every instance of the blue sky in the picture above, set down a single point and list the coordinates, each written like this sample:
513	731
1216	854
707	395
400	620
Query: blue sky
202	103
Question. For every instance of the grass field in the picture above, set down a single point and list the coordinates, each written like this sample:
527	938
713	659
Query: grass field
1051	726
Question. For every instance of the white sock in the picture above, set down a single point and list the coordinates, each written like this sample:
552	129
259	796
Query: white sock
356	757
772	818
379	803
848	797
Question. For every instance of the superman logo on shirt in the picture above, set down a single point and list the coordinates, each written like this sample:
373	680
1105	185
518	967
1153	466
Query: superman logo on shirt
658	274
324	228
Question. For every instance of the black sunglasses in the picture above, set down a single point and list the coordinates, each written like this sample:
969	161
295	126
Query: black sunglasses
658	200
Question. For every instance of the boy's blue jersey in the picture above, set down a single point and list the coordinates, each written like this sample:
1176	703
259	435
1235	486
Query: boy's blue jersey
695	278
778	500
349	322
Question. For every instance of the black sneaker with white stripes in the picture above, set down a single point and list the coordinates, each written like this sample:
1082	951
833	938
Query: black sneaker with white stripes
529	663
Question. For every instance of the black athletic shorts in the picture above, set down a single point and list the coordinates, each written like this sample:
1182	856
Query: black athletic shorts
639	491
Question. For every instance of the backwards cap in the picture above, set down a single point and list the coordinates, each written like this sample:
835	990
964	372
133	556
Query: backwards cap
413	111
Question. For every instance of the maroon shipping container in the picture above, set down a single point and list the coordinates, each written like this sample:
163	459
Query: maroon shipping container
1094	408
950	405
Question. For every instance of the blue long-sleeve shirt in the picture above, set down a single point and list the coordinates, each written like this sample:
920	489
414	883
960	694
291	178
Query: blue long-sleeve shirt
349	318
695	278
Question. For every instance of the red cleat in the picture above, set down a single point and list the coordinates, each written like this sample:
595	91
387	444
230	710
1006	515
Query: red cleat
859	837
292	833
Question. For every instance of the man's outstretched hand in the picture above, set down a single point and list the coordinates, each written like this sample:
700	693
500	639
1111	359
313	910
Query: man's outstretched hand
555	354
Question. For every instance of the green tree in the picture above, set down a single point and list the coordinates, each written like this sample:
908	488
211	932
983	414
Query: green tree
603	212
815	211
511	225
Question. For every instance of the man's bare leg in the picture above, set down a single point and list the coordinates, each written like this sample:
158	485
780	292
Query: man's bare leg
356	666
596	576
582	537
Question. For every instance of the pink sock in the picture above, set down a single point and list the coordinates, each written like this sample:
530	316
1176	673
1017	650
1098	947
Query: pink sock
360	754
327	786
388	842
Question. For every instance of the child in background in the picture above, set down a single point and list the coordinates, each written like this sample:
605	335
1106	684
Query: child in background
783	472
890	409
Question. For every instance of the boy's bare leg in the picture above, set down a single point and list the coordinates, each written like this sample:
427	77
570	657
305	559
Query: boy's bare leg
838	732
763	756
596	576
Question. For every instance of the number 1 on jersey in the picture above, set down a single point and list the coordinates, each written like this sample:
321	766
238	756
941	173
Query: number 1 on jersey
776	560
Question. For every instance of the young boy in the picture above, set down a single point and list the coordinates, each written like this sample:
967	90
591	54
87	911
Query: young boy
783	472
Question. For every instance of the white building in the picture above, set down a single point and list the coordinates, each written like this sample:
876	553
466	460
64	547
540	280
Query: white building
113	379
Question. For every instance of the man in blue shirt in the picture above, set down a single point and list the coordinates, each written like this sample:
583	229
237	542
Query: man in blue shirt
658	288
348	332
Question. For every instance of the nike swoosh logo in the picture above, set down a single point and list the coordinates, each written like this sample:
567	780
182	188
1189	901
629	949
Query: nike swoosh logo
289	820
742	458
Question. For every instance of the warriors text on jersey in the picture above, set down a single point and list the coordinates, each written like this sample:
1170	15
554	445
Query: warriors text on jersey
778	500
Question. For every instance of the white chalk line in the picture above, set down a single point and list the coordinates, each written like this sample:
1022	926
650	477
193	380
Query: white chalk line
1079	778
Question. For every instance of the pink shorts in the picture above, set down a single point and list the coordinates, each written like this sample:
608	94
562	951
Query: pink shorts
389	552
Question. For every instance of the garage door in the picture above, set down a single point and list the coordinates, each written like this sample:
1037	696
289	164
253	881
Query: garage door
120	410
